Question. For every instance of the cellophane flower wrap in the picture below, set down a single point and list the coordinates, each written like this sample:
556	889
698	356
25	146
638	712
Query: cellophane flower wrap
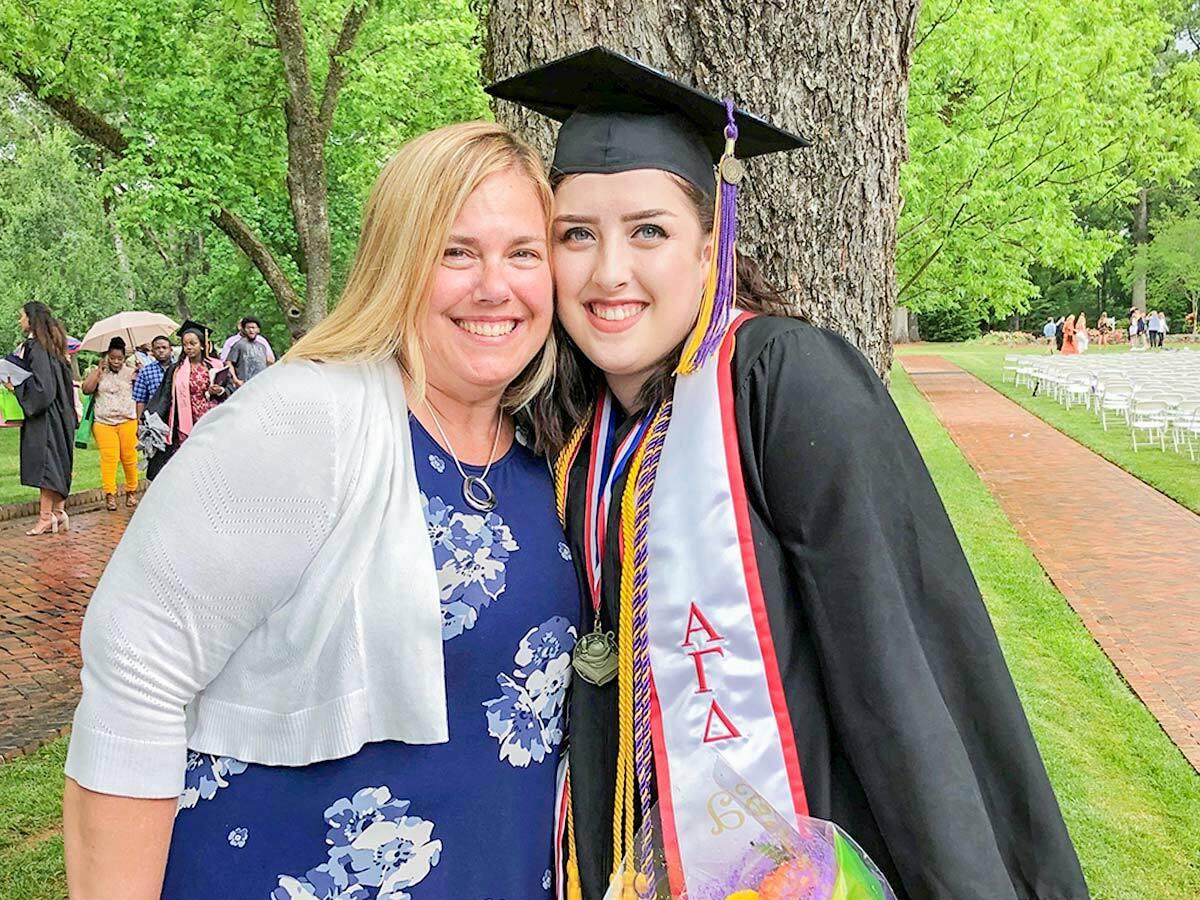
766	856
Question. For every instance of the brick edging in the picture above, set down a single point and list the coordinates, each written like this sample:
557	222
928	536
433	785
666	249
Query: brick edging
82	500
33	746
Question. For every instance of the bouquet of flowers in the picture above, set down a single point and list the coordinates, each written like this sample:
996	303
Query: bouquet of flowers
764	856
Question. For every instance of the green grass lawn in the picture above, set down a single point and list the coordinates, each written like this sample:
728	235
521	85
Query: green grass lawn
1130	798
30	826
87	470
1172	473
1131	801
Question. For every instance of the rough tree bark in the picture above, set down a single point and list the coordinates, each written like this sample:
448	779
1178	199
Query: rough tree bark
308	124
822	220
1141	236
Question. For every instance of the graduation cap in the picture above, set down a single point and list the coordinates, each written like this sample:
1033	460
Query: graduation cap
619	115
201	331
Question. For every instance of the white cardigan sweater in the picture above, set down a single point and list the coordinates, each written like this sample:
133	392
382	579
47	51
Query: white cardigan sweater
274	598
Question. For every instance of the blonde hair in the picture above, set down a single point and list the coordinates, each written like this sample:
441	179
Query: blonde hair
406	222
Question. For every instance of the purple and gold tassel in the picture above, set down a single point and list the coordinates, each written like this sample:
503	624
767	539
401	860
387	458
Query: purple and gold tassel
720	290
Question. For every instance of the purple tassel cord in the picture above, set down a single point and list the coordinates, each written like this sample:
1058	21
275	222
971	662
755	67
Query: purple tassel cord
643	743
726	287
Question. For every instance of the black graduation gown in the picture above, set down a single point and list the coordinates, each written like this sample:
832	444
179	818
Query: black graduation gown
47	398
909	730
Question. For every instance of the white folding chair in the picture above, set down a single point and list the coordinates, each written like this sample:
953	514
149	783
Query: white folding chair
1149	417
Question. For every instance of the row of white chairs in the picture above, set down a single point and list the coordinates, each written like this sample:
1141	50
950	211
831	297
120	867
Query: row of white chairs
1155	396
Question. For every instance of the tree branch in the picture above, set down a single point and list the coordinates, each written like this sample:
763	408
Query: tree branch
94	128
78	116
258	252
158	244
293	53
355	16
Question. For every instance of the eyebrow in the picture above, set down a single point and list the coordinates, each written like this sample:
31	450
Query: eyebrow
519	239
629	217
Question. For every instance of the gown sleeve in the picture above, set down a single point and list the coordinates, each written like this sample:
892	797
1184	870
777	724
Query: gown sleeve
37	392
918	690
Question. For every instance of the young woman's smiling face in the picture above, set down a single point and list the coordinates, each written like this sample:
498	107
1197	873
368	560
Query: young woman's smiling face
630	262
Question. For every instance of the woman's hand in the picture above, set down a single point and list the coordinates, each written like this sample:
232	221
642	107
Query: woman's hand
92	381
8	385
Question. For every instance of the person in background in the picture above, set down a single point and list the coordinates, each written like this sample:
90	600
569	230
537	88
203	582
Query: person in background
1048	332
1143	330
1081	333
115	426
146	385
142	355
193	385
1068	344
1058	333
47	397
241	333
1104	326
251	353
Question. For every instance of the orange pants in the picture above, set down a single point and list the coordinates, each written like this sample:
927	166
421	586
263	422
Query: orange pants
117	442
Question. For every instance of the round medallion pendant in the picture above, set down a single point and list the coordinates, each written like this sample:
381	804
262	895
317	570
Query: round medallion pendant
595	657
478	495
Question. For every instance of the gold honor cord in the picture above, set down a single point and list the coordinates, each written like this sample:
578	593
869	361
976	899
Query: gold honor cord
562	472
566	459
636	498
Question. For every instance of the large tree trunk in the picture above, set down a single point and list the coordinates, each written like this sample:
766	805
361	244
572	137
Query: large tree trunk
1141	236
822	220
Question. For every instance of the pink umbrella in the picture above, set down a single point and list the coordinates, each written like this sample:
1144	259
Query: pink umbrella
136	328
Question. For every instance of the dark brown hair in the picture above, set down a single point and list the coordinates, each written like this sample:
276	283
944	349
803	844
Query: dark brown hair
556	411
46	329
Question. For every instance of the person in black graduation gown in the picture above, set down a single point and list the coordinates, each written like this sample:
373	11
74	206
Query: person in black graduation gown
909	731
47	398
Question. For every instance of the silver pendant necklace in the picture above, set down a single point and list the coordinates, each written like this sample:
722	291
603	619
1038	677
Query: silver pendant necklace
475	487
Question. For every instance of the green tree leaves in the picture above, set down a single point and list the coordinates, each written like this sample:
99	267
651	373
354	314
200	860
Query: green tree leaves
1021	115
196	90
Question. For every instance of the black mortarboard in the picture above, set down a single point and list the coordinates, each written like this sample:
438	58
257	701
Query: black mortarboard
189	325
619	115
201	331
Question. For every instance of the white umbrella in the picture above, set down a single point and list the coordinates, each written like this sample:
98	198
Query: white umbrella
136	328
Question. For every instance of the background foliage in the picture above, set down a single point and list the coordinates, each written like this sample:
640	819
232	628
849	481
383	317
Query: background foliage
1032	127
196	86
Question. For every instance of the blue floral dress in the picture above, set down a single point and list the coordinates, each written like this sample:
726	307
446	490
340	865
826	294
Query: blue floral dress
471	819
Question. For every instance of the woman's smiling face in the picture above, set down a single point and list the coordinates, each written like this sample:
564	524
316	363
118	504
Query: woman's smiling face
630	262
491	304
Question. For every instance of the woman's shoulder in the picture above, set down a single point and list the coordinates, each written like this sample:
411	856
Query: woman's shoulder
302	386
795	348
815	373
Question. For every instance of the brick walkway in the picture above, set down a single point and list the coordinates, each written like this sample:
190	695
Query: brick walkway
45	583
1147	620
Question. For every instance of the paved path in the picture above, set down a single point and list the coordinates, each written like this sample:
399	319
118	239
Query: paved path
45	583
1145	617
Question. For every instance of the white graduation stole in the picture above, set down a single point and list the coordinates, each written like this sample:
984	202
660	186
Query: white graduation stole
715	679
